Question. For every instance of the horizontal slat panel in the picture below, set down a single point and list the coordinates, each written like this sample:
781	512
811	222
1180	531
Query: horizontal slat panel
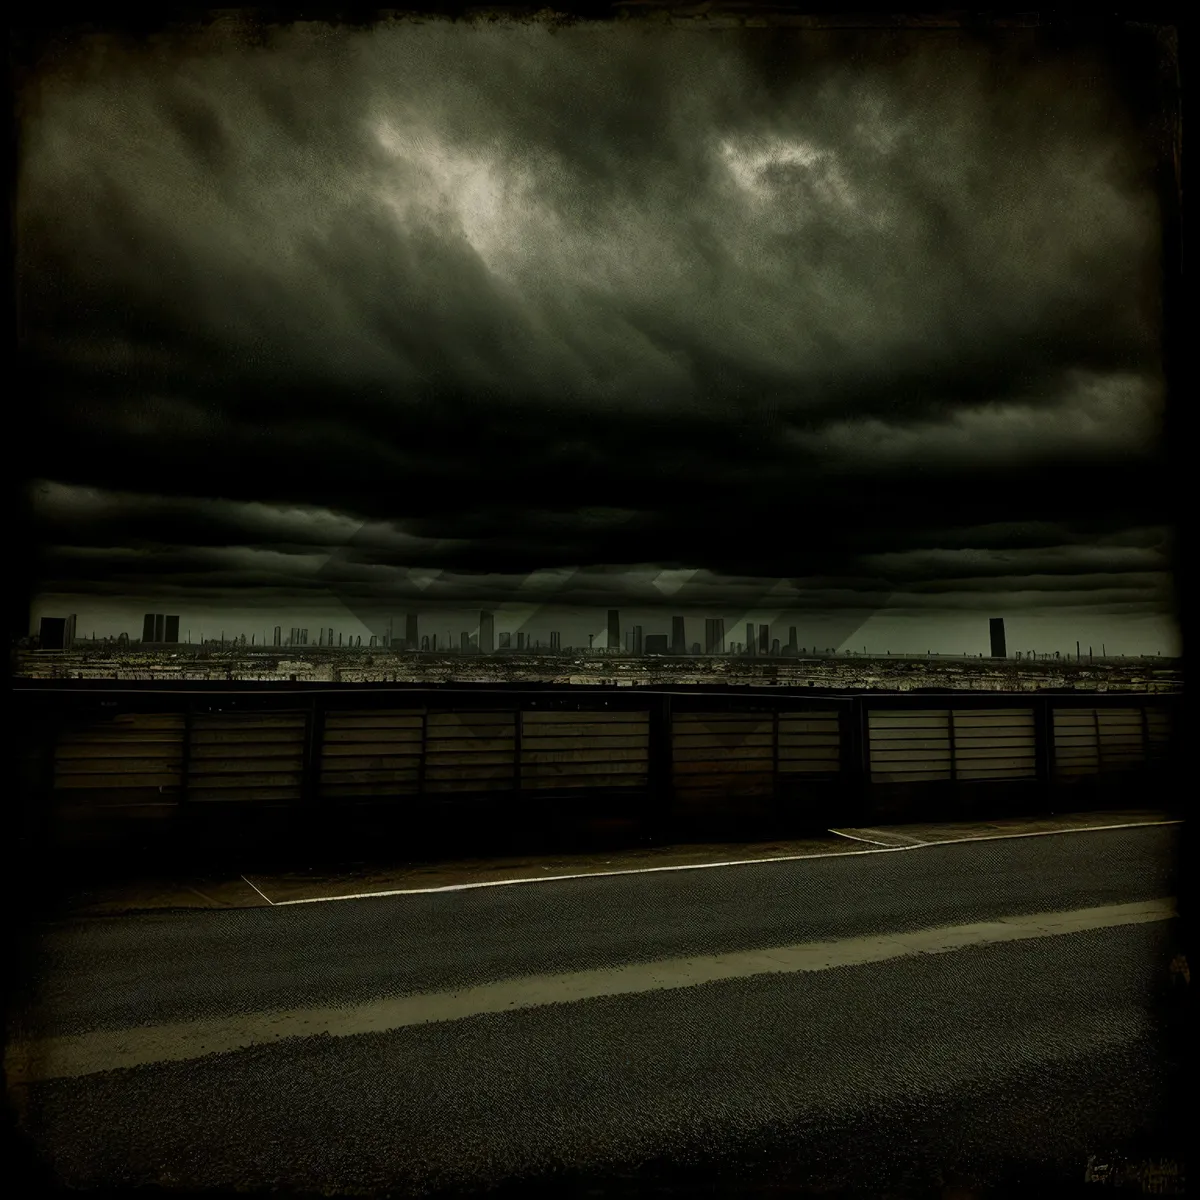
632	717
480	771
447	722
244	767
244	779
718	726
441	763
247	736
469	747
915	744
901	754
582	754
360	762
120	766
120	751
244	795
249	720
709	748
794	766
340	750
723	766
909	776
109	780
553	770
918	718
373	775
1016	771
252	748
588	781
346	791
374	720
345	736
977	754
628	742
138	722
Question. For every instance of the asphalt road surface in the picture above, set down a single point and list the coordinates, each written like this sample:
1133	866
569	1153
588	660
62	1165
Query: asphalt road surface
899	1020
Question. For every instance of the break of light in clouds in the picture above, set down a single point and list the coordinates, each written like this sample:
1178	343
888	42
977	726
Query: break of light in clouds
775	323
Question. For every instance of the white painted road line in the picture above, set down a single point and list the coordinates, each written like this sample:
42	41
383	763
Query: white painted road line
855	838
86	1054
258	890
733	862
902	840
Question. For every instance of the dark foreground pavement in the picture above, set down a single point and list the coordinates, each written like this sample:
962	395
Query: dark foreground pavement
1010	1062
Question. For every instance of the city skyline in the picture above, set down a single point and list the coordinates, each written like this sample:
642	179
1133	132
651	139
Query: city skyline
881	634
863	327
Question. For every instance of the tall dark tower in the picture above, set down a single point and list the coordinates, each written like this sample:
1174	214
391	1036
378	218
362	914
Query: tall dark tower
411	641
996	625
614	629
764	639
159	627
487	632
171	633
749	637
714	635
678	636
148	627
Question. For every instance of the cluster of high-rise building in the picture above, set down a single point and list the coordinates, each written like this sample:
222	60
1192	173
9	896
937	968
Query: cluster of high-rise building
161	629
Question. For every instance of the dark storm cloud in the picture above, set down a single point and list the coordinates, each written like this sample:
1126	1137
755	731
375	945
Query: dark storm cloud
509	299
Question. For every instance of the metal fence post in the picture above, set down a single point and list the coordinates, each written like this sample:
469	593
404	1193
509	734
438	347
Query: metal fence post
660	765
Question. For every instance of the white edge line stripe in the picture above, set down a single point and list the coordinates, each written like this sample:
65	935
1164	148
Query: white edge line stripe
872	841
84	1054
736	862
260	892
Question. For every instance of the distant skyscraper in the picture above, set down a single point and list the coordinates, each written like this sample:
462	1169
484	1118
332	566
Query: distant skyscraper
329	641
464	641
520	640
555	640
749	637
792	640
487	632
997	631
425	642
506	640
637	639
278	635
52	633
678	636
614	629
775	648
69	633
696	648
764	639
411	641
159	626
171	631
714	635
148	627
656	643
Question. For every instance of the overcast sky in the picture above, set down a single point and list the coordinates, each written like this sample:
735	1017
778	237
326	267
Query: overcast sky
845	331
